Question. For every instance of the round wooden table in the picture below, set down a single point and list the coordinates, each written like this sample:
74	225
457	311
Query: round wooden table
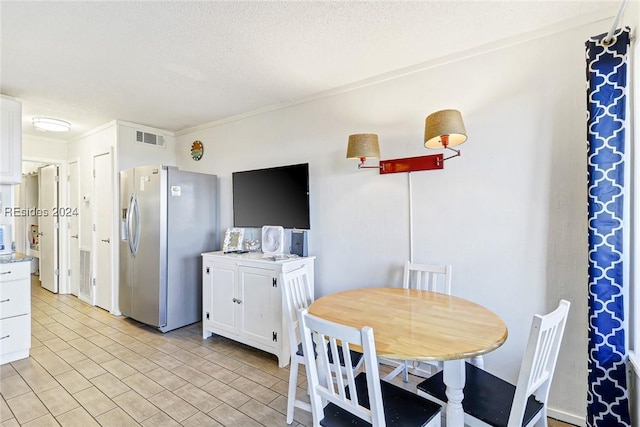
418	325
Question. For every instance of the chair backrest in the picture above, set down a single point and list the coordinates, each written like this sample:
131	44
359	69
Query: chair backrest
327	381
297	294
425	277
539	361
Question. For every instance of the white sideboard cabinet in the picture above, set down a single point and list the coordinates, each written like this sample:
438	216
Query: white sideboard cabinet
10	140
15	311
242	299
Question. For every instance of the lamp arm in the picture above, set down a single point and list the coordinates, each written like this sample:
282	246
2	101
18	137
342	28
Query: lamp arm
362	166
458	154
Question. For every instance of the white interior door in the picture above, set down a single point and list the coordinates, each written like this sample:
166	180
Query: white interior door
74	229
48	227
103	221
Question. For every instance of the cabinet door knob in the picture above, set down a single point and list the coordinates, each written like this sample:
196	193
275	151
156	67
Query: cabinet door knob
237	301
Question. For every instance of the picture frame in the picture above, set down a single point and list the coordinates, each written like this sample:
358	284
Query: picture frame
233	240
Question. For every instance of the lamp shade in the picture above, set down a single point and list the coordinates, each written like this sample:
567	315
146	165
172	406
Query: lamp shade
363	145
446	123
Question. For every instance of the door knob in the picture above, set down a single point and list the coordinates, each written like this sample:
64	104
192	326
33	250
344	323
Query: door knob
75	236
107	240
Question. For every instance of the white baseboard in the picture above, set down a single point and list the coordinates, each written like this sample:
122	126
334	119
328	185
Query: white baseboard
566	417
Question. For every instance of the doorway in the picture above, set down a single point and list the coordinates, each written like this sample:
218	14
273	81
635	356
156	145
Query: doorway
26	224
41	232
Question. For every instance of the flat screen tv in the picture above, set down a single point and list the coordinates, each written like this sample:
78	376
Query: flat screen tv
272	196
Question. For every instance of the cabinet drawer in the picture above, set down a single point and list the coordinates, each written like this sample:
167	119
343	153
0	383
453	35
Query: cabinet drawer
15	298
15	334
14	271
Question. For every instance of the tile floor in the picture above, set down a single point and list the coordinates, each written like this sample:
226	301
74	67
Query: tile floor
88	368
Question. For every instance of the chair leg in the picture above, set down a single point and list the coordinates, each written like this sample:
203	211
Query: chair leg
405	372
293	382
477	361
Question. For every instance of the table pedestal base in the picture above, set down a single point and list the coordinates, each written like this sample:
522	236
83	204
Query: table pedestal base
454	378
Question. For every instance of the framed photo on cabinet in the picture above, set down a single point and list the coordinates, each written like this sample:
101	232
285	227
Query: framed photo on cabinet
233	240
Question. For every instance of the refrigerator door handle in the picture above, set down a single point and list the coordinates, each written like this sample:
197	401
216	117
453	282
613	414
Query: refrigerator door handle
137	219
128	221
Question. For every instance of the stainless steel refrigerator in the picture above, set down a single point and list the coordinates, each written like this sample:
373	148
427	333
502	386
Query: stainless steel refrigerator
168	218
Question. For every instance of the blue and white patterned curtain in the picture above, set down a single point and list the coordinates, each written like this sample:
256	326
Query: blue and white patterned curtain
607	400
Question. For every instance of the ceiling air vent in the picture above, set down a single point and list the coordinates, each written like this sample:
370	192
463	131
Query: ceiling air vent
150	138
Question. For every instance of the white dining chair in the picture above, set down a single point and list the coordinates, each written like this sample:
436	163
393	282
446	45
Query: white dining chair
425	277
337	400
435	278
491	401
297	294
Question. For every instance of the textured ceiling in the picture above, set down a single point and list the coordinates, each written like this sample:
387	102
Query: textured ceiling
180	64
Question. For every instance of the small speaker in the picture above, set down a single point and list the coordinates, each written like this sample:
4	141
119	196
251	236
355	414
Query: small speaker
299	242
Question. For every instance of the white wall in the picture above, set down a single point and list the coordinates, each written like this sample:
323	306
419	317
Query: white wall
509	215
42	148
133	153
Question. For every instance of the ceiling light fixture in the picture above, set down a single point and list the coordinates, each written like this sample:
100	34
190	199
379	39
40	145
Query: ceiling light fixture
51	125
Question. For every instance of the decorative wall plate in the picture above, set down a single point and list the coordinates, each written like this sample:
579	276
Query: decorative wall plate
197	149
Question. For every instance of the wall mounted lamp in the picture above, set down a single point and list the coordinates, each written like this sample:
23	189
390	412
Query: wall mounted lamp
443	129
51	125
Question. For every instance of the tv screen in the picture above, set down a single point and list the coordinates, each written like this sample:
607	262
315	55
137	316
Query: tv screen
273	196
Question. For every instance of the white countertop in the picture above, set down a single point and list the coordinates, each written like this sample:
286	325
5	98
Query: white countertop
14	257
257	256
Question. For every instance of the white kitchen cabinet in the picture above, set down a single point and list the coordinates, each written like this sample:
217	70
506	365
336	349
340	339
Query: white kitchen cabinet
15	311
10	140
242	299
